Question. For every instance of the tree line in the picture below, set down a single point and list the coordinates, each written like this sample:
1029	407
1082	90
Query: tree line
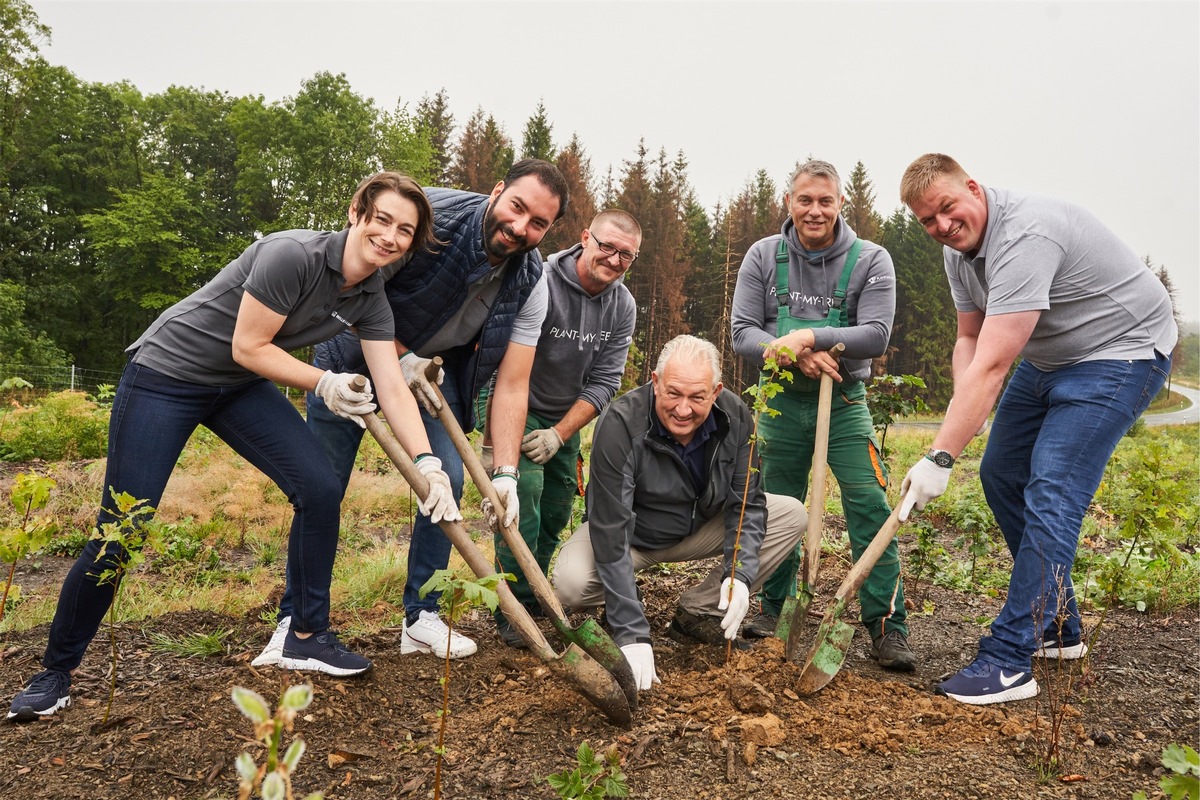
114	204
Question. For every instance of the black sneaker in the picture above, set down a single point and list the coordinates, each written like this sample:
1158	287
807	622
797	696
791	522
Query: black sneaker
46	693
688	628
892	652
761	627
508	634
321	652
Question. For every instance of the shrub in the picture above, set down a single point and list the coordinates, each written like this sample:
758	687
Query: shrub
64	425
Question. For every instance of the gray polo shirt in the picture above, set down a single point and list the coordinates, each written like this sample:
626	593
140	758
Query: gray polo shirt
295	273
1098	300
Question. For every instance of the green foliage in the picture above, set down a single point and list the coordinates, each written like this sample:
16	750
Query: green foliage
64	425
191	645
18	341
1183	782
126	538
889	398
594	778
1149	495
272	778
29	494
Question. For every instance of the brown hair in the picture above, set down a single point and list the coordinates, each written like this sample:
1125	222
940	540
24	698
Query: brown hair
622	220
926	171
372	186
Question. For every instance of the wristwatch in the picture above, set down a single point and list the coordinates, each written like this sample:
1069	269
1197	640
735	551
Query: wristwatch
513	472
941	458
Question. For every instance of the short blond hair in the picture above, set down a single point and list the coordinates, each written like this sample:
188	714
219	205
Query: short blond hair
926	171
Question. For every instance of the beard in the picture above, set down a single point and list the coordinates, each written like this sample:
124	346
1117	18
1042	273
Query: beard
497	247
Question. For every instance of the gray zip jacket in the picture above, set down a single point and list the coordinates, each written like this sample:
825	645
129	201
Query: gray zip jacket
584	343
870	297
641	495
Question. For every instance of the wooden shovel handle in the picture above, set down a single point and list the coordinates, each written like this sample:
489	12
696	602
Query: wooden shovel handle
816	503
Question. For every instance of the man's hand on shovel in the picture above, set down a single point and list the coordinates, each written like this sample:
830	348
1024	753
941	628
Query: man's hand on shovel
505	485
414	368
439	503
641	660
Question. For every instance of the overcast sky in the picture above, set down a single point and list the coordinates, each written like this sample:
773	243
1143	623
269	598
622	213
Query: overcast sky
1098	103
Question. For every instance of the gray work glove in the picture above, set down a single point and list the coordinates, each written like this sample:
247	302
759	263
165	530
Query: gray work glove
439	503
641	662
339	397
540	446
924	482
505	486
413	367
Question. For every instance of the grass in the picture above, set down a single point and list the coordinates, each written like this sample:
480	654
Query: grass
193	645
229	529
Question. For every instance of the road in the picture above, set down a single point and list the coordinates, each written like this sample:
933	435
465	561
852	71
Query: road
1183	416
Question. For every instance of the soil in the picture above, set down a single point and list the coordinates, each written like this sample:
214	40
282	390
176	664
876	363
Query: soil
713	729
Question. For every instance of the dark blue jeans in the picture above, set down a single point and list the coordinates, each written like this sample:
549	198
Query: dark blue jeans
1051	440
152	417
429	549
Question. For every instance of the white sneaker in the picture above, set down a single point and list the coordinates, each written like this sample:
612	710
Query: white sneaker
273	652
429	635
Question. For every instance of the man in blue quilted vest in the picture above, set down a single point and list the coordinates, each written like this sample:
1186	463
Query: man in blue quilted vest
477	300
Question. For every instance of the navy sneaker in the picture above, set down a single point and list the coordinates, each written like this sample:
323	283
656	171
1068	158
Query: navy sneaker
1067	649
321	652
46	693
983	683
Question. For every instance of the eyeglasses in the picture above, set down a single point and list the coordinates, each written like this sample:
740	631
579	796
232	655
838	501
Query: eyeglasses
607	249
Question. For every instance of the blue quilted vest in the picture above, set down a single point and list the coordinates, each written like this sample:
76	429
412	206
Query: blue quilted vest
430	288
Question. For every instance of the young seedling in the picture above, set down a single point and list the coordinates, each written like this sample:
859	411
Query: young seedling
272	778
130	535
1183	781
29	494
594	778
458	596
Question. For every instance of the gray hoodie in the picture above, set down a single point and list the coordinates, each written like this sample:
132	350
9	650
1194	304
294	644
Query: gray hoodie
870	297
585	341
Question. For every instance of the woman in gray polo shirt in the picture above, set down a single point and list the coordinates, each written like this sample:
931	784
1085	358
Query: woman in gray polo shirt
213	359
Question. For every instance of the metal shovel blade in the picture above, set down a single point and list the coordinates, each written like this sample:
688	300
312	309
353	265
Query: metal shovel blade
575	666
589	636
828	652
793	619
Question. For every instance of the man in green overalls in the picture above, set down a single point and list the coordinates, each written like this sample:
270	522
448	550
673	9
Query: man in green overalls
798	294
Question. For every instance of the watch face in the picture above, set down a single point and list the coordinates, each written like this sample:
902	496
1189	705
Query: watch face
942	458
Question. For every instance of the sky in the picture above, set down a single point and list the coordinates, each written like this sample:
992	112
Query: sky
1097	103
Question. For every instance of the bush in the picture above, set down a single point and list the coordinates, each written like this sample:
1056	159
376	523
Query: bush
64	425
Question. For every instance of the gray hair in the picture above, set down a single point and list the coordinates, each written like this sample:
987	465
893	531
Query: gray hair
692	348
818	169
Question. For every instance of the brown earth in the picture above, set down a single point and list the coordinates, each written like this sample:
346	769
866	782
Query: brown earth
870	733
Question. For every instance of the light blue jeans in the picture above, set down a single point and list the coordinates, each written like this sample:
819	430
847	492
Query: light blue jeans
1051	440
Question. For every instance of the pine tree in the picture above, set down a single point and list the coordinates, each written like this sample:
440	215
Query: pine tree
538	141
434	117
483	155
859	208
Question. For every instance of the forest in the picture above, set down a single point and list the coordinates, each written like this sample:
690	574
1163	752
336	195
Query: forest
114	204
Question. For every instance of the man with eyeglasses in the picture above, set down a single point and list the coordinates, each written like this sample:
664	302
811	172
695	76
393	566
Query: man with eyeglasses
577	370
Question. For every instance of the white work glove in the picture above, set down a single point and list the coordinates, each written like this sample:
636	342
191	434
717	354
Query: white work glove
505	486
737	606
641	662
540	446
485	458
925	481
983	426
439	504
339	397
413	367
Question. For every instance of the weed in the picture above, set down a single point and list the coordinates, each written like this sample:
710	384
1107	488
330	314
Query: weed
594	778
192	645
272	778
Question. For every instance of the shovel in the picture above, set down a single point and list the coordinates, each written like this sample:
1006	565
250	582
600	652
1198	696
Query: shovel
793	619
575	666
828	652
589	635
